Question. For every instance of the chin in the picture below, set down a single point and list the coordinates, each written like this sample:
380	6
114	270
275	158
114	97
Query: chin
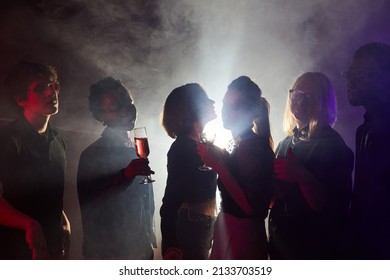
354	103
52	112
126	127
225	126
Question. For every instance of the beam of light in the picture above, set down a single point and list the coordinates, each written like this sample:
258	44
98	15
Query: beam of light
219	68
222	135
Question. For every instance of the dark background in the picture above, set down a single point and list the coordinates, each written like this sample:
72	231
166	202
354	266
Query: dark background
154	46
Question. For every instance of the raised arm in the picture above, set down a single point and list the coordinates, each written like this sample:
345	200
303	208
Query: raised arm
214	157
291	170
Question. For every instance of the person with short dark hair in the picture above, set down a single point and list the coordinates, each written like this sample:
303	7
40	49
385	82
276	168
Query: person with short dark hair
117	212
189	207
32	168
368	84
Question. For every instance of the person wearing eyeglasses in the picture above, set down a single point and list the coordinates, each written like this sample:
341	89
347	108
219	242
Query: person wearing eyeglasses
368	84
117	211
32	168
313	176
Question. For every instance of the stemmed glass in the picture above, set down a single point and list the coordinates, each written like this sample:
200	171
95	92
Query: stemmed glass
142	148
206	138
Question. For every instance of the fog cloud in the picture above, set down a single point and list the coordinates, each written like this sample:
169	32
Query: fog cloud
154	46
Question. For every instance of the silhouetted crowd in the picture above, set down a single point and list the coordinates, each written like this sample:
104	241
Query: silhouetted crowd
303	186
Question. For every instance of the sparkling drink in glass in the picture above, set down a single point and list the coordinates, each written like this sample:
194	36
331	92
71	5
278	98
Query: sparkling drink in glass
142	148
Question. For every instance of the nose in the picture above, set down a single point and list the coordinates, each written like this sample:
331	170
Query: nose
54	87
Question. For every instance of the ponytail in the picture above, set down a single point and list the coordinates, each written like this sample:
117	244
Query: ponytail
253	102
262	124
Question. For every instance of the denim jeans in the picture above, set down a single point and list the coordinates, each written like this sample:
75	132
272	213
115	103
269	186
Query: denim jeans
194	233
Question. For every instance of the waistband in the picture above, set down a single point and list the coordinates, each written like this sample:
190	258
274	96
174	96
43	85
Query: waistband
195	216
208	208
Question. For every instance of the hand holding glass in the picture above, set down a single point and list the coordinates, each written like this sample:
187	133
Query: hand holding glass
142	148
206	138
281	188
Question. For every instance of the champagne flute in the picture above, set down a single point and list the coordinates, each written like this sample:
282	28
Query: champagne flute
206	138
142	148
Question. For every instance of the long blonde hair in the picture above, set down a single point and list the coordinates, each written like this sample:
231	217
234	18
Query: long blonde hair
326	107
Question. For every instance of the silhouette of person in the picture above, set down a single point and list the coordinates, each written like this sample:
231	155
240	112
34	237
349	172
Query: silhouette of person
32	167
368	82
313	171
189	207
117	212
245	174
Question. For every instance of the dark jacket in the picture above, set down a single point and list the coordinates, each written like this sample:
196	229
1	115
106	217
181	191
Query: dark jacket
297	231
117	215
185	183
32	171
370	207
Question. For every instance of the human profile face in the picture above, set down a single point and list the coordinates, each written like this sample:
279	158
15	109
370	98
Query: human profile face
118	111
209	111
303	97
41	98
364	80
235	116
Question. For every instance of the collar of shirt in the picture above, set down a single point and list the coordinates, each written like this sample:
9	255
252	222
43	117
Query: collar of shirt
120	138
25	130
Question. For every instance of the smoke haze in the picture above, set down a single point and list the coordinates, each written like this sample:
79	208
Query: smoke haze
154	46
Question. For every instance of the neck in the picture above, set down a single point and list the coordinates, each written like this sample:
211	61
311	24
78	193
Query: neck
301	124
374	107
38	122
123	134
119	131
197	128
236	132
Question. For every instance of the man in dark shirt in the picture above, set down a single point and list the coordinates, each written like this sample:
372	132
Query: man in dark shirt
368	79
117	211
32	165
